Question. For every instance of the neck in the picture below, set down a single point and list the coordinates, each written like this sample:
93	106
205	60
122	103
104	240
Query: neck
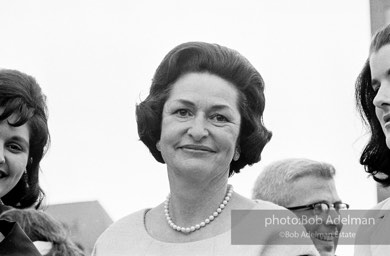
192	202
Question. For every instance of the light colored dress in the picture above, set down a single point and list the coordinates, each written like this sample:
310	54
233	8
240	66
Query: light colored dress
376	237
128	236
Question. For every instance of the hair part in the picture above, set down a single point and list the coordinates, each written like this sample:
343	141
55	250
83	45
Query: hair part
274	182
200	57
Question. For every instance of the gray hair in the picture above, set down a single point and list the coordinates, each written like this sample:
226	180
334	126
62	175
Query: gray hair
274	181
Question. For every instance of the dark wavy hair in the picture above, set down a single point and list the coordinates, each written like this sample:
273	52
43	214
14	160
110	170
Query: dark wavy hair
200	57
40	226
376	155
21	95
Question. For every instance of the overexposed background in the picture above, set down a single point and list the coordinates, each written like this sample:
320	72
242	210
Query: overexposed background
95	60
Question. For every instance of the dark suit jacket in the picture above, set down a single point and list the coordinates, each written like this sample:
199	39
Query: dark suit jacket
16	242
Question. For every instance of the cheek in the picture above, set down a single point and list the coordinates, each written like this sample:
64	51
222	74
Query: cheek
167	133
312	227
229	138
18	167
378	114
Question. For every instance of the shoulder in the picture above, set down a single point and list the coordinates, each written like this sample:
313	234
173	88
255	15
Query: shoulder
4	208
126	225
384	205
379	210
123	236
16	242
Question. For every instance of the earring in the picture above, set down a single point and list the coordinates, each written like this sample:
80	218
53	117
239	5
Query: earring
236	154
158	146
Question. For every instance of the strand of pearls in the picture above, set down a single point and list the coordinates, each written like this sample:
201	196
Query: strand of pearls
203	223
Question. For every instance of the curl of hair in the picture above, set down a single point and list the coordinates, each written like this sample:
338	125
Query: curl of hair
376	155
21	95
40	226
200	57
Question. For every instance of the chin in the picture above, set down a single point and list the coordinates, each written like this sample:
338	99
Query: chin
325	250
194	169
327	253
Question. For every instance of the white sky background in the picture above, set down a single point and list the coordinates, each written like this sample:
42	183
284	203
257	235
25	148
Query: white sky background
95	60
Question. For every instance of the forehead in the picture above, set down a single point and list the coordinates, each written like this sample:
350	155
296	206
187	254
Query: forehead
201	86
7	130
311	189
380	61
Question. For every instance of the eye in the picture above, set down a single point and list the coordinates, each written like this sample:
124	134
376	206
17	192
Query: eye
219	118
15	147
182	112
375	85
341	206
320	208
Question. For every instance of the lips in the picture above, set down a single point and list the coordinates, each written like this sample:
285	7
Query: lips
197	147
386	118
3	174
328	237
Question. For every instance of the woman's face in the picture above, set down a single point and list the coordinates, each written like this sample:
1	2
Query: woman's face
380	80
200	126
14	151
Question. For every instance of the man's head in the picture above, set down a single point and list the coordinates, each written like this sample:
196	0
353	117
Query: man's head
306	187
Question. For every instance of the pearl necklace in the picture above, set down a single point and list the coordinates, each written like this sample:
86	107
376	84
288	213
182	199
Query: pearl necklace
203	223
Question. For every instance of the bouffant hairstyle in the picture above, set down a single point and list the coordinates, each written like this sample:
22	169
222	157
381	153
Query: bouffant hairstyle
21	95
40	226
376	155
200	57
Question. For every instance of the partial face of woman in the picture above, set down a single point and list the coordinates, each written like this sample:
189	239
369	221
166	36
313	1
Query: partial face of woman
200	126
14	151
380	80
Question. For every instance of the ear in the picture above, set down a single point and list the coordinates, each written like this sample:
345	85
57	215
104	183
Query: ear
158	146
236	154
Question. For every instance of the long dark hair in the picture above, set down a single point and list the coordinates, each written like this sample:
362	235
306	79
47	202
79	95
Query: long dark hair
376	155
20	94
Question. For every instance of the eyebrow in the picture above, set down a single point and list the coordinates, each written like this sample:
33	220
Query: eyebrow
21	140
214	107
324	201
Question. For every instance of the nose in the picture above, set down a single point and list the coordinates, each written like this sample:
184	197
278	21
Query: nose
198	129
333	217
382	97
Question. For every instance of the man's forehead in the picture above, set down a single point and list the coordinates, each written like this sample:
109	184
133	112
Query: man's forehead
311	189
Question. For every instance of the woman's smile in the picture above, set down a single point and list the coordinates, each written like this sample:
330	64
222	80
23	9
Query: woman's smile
196	148
201	121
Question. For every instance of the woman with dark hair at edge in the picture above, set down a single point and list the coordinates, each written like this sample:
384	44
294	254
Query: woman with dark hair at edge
373	102
203	119
24	138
